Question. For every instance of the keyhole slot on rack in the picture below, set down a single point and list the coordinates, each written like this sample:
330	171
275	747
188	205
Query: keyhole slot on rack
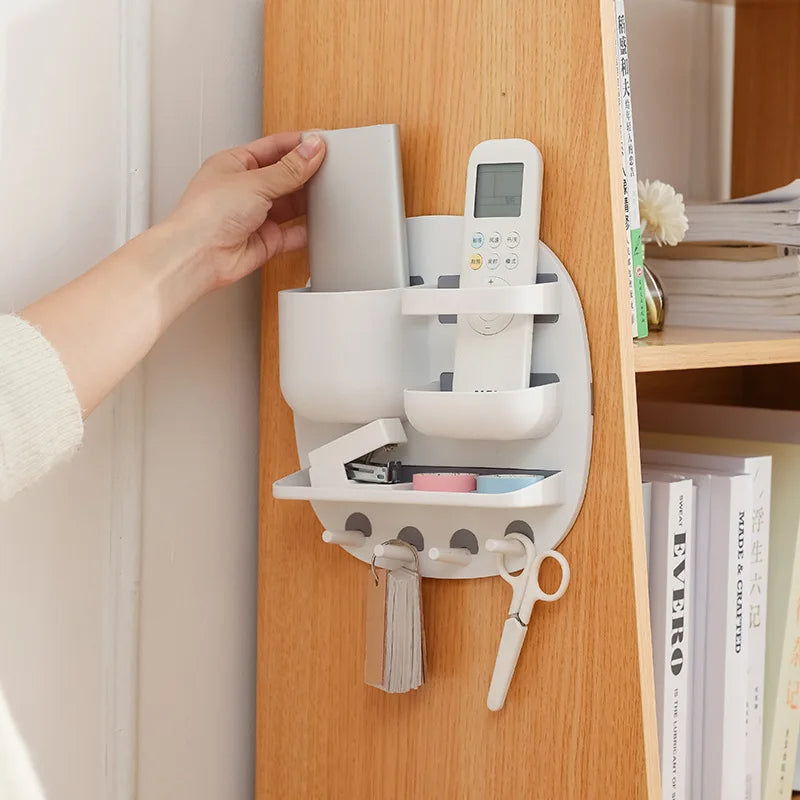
359	522
412	536
520	526
465	539
511	547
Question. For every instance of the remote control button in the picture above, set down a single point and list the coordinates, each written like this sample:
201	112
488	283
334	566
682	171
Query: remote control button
476	261
490	324
512	239
495	238
510	260
490	327
477	240
493	261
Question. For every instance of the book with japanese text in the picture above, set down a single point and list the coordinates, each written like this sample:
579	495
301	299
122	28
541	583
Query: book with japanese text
760	467
745	432
633	229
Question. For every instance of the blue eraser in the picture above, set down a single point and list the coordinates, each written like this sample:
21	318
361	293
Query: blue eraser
498	484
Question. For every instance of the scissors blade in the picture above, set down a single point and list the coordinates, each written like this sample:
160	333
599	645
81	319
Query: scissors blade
505	664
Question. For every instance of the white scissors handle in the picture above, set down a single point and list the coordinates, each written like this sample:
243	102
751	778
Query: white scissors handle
526	591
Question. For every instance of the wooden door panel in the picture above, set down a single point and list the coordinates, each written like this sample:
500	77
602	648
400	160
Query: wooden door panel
451	74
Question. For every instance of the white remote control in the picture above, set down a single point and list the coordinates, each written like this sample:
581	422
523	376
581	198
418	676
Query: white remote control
501	246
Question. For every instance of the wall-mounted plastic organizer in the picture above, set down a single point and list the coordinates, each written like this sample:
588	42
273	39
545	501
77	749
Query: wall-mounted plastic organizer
366	370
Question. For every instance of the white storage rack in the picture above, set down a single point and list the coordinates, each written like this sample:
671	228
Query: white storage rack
367	370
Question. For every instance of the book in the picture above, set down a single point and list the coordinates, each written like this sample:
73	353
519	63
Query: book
738	430
757	554
395	648
630	188
697	615
669	583
758	306
714	319
781	287
769	217
732	294
787	266
721	251
744	231
766	289
719	673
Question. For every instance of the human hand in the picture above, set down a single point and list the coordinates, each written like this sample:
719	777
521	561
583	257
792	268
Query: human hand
227	224
232	215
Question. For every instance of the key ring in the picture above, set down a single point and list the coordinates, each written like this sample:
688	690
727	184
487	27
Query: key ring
396	541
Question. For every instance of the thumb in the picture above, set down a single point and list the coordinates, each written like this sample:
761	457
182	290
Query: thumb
292	171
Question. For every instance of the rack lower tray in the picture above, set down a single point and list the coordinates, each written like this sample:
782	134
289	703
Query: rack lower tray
547	492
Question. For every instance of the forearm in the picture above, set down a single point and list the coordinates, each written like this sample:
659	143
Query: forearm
104	322
234	216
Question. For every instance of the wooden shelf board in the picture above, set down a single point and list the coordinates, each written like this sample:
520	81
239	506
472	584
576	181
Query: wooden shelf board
701	348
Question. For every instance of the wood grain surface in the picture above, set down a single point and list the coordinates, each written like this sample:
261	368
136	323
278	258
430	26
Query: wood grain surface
575	723
701	348
766	97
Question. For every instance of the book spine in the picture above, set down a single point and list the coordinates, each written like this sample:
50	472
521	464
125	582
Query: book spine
724	745
699	615
733	721
682	658
781	741
633	231
671	526
758	558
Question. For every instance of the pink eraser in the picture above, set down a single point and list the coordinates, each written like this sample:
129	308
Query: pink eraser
444	482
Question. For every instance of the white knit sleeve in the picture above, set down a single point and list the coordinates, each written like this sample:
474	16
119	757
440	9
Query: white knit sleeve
40	416
18	780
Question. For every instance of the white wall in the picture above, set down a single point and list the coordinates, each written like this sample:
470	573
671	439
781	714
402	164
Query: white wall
60	188
682	79
63	205
197	679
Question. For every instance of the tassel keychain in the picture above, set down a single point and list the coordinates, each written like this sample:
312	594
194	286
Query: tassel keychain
395	652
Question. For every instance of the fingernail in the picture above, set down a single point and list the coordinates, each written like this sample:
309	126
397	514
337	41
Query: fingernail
310	146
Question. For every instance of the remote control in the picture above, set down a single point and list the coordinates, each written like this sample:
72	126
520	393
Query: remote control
501	245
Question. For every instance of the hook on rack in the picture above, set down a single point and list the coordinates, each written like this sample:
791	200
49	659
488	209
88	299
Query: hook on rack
397	552
344	538
505	546
459	556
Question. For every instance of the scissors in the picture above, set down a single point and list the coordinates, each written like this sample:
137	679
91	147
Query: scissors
525	592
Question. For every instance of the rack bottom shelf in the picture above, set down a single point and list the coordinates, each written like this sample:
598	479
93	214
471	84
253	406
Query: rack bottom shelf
547	492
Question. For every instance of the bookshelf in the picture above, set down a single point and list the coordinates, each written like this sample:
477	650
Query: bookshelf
580	719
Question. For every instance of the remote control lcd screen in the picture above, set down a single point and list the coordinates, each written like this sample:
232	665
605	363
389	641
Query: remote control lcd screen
498	190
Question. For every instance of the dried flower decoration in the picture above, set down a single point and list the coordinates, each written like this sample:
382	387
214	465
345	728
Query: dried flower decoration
662	212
